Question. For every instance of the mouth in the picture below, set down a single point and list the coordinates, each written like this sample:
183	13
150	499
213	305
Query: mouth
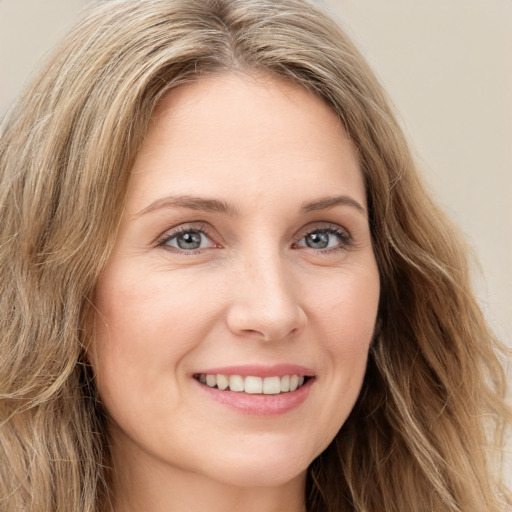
253	384
257	390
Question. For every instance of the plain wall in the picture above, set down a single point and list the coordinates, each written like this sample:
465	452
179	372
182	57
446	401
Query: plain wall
446	65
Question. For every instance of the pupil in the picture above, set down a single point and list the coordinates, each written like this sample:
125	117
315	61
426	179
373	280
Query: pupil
189	240
317	240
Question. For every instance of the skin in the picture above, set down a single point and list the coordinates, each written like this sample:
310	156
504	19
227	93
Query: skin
254	292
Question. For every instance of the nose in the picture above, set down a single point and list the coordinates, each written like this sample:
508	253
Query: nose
265	303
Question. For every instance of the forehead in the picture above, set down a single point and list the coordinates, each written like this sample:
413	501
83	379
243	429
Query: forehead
258	134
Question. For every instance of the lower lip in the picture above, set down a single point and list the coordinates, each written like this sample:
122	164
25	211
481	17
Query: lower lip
260	405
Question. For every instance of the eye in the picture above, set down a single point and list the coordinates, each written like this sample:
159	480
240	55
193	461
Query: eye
187	240
325	238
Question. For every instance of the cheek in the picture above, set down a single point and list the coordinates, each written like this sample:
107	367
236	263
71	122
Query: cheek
346	307
154	312
345	313
355	327
144	327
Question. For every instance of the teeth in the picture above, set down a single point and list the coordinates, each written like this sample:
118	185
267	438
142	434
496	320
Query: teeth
271	385
222	382
236	383
253	385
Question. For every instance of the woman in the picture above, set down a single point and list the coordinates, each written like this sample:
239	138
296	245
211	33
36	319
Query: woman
224	285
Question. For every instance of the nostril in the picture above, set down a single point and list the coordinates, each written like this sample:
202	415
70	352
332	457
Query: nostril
258	319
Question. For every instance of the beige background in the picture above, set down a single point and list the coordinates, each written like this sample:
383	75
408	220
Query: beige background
447	66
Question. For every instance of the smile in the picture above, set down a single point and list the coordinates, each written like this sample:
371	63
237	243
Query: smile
254	385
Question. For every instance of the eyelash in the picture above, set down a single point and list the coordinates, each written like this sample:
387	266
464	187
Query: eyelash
167	237
345	239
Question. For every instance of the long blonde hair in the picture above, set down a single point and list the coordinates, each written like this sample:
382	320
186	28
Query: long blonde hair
429	423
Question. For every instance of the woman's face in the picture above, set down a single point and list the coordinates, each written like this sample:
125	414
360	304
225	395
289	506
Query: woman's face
244	259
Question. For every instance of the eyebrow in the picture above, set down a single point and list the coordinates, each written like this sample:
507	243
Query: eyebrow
219	206
192	203
327	203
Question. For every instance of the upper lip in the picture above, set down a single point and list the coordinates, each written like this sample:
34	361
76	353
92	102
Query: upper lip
276	370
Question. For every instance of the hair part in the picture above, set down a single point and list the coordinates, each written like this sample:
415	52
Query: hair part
432	409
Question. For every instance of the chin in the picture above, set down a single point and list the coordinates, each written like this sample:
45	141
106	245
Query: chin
260	467
261	475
